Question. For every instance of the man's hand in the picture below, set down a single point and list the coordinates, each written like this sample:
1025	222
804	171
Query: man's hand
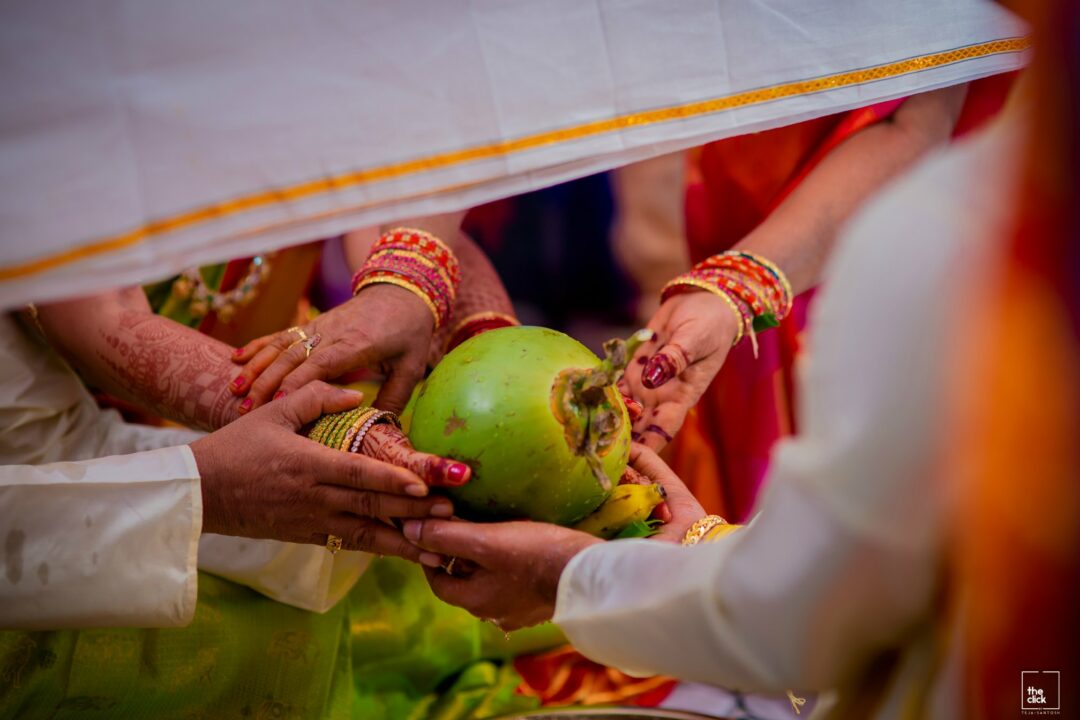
681	509
260	479
509	572
504	572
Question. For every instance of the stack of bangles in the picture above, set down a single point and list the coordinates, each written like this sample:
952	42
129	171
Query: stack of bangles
754	288
346	431
477	324
707	529
418	262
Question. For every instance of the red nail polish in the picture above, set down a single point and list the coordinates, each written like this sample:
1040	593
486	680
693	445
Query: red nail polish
457	474
238	382
246	405
238	352
279	394
657	372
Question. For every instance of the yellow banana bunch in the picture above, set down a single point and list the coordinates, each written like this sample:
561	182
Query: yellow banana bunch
627	504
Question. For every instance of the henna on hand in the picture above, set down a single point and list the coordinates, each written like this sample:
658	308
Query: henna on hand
387	443
172	370
119	345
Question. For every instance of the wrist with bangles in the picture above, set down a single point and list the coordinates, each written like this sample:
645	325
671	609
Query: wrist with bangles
346	431
707	529
752	287
416	261
476	324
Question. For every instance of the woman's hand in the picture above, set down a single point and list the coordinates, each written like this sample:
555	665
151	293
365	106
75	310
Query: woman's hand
509	572
260	479
667	376
384	327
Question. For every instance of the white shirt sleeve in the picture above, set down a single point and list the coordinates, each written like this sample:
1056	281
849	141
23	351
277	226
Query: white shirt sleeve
95	543
47	416
842	559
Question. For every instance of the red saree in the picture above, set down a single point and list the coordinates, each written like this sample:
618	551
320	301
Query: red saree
722	451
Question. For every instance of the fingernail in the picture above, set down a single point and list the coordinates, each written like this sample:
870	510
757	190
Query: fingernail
654	337
633	408
659	370
431	560
238	352
246	405
238	382
458	473
642	360
411	530
443	510
417	490
279	394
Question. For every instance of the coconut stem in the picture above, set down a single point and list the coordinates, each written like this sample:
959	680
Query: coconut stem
585	391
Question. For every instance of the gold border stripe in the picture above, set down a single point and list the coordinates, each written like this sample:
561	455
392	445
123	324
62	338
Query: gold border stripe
507	147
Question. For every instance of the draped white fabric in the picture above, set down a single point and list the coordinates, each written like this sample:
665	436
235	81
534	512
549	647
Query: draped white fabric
139	138
112	537
843	560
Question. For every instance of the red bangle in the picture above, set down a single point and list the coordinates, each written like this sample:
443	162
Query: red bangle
417	261
477	324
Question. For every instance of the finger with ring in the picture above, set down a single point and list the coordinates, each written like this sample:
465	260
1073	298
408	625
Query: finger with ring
299	331
333	544
310	344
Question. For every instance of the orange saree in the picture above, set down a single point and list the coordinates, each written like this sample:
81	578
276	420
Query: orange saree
722	451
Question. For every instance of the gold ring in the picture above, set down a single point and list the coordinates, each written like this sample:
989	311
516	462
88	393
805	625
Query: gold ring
310	343
333	544
300	331
448	568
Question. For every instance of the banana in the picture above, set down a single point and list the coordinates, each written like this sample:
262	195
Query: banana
628	503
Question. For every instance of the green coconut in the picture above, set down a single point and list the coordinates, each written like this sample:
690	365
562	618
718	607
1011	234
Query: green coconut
537	417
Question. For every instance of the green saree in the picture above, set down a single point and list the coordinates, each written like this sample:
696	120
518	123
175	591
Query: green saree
388	650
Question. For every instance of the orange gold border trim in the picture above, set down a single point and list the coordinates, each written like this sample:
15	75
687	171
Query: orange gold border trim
507	147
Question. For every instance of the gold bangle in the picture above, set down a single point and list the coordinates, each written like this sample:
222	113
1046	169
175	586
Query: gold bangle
403	283
718	532
701	527
369	422
363	417
702	285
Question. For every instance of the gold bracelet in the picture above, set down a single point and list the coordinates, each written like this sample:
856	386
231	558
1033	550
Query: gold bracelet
403	283
718	532
701	527
702	285
363	417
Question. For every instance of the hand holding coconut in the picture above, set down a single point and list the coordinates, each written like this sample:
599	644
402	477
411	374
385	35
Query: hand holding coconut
403	293
260	479
704	313
668	375
509	572
384	327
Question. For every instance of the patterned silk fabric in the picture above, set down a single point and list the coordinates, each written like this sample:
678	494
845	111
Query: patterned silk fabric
389	650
